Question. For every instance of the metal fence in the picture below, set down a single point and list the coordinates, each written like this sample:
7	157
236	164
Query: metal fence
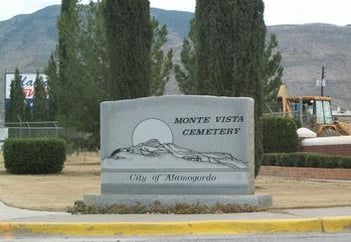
33	129
75	140
295	115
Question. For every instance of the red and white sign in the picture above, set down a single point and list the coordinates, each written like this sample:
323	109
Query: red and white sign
28	81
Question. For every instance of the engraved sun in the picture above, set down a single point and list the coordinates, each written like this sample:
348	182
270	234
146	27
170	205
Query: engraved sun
152	129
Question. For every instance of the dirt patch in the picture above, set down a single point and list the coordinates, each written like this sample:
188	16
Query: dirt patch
81	175
304	193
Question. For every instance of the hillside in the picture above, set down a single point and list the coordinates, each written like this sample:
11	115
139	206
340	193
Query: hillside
305	49
28	40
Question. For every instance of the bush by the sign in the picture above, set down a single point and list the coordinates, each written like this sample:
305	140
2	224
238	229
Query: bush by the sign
158	208
300	159
34	156
279	134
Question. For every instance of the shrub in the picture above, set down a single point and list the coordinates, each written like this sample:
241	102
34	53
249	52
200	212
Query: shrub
306	160
279	135
157	208
34	156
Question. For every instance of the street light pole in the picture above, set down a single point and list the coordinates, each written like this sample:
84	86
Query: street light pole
322	81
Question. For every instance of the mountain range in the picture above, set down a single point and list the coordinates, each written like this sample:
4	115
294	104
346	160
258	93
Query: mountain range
27	41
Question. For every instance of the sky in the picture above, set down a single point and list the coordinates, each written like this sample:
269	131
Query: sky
276	11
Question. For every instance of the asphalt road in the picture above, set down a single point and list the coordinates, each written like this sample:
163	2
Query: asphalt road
344	237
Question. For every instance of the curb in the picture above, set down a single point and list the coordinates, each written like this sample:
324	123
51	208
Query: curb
223	227
336	224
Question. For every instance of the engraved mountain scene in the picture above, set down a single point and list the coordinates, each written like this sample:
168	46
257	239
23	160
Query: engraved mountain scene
156	150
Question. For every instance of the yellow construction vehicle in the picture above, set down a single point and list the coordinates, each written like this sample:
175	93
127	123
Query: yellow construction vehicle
314	112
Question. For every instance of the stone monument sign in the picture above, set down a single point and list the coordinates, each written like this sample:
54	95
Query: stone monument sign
178	149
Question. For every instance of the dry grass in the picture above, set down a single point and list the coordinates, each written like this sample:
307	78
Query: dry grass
305	193
81	175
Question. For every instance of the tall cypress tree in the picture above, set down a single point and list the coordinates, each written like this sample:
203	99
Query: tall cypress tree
185	74
161	64
40	110
68	64
272	74
230	40
251	35
67	26
128	42
53	88
104	53
230	43
15	111
94	63
214	29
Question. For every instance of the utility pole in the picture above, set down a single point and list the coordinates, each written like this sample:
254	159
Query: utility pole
322	81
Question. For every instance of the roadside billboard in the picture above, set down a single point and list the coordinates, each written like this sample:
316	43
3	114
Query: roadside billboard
28	80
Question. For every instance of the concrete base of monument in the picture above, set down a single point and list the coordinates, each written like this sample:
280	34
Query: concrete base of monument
260	201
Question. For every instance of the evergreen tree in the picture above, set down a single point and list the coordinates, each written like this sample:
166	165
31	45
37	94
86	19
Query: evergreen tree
186	73
230	37
94	63
27	117
53	87
67	26
215	28
68	89
272	74
128	34
15	111
161	65
40	109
